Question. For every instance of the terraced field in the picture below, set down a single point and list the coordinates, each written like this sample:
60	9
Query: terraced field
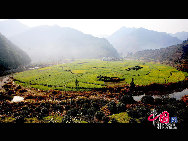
83	75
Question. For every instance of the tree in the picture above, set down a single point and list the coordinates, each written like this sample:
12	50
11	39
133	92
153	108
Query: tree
76	83
132	85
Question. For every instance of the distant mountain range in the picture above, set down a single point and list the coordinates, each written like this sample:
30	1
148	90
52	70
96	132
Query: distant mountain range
11	57
175	55
127	40
12	27
52	43
181	35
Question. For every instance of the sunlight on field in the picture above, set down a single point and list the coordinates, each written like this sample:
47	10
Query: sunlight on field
98	74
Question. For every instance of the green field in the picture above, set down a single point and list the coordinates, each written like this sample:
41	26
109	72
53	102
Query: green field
87	72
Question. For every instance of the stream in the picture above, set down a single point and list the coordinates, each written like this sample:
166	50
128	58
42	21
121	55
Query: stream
177	95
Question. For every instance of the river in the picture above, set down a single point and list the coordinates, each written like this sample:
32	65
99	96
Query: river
177	95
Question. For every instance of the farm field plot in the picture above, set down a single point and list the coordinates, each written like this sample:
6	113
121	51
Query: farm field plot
83	75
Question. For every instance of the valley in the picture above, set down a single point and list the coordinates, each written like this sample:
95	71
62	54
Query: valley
58	74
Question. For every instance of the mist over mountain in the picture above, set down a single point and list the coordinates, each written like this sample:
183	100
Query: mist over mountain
181	35
50	43
12	27
11	56
136	39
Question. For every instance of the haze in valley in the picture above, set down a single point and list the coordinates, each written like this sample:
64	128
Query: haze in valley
51	40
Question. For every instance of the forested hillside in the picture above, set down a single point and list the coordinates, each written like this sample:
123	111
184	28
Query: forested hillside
11	56
176	55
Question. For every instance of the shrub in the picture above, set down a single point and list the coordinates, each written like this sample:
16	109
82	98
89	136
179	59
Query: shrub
127	99
5	96
134	113
132	120
121	117
158	101
112	107
105	119
72	112
180	104
44	111
86	105
91	111
95	105
99	115
113	120
67	119
19	120
168	100
67	107
58	107
147	99
121	107
82	111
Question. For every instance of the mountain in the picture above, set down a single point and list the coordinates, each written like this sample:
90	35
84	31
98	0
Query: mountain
53	42
12	27
11	57
181	35
136	39
175	55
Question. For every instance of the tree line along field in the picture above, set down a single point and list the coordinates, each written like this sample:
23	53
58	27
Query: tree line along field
92	74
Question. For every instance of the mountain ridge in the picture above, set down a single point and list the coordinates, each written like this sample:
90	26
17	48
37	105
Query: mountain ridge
181	35
55	41
12	27
127	40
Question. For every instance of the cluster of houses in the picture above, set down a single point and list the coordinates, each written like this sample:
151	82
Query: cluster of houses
111	59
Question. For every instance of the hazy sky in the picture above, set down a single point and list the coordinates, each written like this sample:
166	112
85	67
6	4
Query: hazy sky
102	27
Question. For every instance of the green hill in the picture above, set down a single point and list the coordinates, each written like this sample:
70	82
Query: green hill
11	57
